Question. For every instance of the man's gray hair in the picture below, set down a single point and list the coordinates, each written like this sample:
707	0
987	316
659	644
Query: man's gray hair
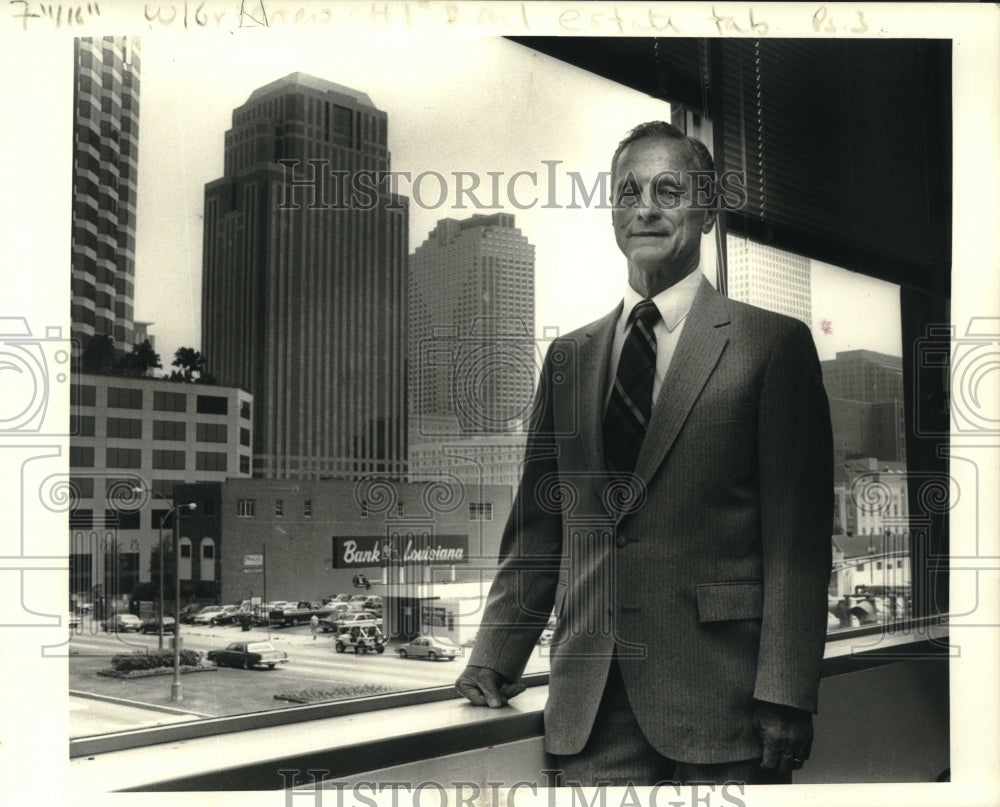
667	131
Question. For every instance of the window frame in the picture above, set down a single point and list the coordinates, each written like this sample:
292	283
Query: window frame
914	625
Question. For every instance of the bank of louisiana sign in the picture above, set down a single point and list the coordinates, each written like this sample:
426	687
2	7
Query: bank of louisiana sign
408	549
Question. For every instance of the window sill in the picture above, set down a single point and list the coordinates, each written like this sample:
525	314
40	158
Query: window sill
349	738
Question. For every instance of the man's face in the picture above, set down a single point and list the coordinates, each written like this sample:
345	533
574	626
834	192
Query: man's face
655	226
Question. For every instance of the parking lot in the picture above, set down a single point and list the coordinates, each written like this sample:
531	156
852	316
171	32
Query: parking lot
313	667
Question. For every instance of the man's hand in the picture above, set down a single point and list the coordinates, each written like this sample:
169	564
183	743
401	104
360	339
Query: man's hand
484	686
787	734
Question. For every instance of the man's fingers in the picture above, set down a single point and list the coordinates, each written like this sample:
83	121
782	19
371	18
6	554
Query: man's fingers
480	689
786	734
511	690
469	690
791	760
798	755
773	754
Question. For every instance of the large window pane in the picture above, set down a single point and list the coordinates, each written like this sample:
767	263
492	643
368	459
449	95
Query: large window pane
856	327
536	147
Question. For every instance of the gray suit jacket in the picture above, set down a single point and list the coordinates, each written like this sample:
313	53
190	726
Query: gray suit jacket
706	572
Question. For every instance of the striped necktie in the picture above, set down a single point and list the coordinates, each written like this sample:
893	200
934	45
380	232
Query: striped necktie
631	399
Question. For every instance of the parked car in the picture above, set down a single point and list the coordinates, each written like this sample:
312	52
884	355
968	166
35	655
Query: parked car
362	639
297	613
121	623
206	615
431	649
189	611
152	625
248	655
228	615
73	621
328	622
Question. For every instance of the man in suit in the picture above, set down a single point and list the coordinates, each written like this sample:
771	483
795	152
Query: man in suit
674	511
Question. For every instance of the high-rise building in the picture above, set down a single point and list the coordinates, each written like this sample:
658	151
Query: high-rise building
864	375
472	314
866	405
105	164
472	350
770	278
304	288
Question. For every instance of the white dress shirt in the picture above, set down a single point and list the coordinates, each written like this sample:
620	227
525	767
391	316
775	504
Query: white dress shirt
674	304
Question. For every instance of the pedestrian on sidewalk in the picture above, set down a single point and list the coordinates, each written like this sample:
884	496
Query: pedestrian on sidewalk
313	625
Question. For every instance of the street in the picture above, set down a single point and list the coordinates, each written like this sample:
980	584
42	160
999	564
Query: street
101	704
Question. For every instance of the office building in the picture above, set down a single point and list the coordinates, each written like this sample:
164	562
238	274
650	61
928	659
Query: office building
303	293
105	167
770	278
866	405
135	440
417	546
473	356
864	375
472	321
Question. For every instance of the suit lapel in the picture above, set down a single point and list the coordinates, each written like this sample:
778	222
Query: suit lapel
694	359
592	381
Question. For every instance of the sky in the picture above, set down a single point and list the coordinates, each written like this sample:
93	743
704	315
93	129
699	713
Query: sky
456	104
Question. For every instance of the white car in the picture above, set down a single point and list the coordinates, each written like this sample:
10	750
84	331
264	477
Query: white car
430	649
122	623
207	614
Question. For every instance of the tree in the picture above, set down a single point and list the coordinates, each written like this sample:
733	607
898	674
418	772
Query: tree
140	361
98	354
190	366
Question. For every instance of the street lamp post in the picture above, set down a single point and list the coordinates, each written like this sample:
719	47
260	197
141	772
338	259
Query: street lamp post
160	552
175	687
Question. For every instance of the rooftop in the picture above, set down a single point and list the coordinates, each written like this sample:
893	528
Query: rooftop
304	81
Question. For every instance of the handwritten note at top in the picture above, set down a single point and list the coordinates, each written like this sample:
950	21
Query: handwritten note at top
499	18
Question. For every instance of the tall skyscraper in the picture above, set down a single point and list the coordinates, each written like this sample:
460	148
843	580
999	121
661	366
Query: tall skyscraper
304	289
105	164
770	278
472	350
472	314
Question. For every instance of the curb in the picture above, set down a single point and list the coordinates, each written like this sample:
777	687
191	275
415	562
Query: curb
170	710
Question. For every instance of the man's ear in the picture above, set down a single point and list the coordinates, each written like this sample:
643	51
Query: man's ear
709	223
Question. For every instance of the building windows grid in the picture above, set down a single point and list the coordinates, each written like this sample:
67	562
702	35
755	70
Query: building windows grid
125	428
169	401
211	461
115	457
124	398
168	460
169	430
212	433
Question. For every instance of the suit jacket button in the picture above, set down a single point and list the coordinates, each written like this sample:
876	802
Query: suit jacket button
620	539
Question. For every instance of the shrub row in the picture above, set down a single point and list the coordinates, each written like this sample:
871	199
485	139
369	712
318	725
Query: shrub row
334	693
150	661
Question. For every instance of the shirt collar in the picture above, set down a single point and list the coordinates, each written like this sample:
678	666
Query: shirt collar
673	302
